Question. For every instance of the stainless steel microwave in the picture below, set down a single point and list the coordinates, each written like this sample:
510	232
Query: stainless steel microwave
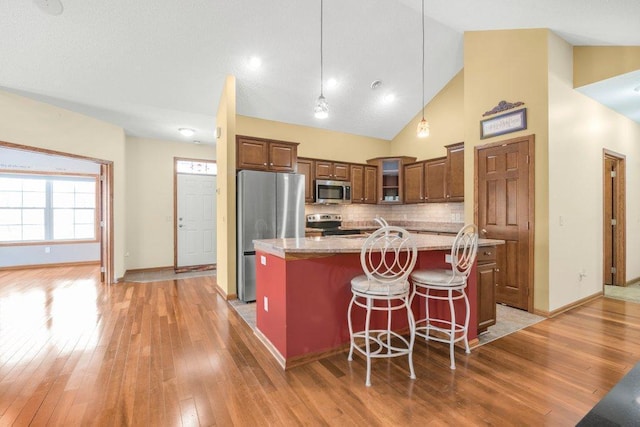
333	192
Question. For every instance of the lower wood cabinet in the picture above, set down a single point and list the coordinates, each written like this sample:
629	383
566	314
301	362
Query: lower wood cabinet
486	285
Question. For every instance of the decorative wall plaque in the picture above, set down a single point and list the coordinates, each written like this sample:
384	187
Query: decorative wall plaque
504	123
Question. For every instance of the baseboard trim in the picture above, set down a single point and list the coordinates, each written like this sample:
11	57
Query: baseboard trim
271	348
224	295
567	307
632	281
58	264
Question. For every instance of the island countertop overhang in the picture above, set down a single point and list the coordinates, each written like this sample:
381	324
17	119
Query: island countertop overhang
330	245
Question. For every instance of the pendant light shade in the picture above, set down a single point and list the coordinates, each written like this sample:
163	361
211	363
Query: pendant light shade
322	108
423	126
321	111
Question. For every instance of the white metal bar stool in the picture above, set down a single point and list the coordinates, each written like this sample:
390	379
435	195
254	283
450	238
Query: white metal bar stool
447	285
387	256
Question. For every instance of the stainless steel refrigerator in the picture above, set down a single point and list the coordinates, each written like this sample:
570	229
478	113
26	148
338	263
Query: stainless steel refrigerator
269	205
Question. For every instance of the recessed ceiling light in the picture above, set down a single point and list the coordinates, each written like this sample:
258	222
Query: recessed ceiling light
332	83
255	63
388	98
376	84
187	132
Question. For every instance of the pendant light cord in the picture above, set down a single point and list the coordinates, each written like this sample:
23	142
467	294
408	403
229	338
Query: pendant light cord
321	61
422	59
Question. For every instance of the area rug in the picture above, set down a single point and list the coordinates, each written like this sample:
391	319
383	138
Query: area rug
508	320
627	293
246	310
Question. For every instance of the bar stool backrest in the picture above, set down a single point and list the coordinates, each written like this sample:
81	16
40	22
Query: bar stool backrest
464	250
388	255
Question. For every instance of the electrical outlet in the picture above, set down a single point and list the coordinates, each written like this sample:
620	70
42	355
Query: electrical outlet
447	258
47	250
263	260
266	304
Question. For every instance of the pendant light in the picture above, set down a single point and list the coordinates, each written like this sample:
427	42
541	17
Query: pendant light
423	126
322	107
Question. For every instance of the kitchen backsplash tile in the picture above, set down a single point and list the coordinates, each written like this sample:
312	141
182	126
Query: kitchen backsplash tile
429	212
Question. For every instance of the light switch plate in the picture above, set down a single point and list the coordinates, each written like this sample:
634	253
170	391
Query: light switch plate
263	260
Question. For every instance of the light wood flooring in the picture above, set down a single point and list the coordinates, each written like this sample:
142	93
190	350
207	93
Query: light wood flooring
170	353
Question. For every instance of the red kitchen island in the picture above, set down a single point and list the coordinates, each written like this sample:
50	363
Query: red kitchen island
303	289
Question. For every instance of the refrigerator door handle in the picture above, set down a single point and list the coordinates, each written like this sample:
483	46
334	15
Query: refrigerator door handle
249	253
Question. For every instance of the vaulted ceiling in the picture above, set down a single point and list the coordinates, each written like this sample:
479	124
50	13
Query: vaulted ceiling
153	66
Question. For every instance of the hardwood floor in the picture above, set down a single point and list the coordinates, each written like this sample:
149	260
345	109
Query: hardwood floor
74	352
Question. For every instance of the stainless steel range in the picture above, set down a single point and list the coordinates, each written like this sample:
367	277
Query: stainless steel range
330	224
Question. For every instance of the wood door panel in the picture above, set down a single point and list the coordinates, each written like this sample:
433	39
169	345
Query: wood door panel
503	213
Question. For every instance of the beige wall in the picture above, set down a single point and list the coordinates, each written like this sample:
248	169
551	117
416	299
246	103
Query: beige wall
316	143
226	189
150	198
579	129
594	63
511	66
40	125
445	114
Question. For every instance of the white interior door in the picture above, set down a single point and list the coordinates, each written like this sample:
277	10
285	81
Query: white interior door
196	196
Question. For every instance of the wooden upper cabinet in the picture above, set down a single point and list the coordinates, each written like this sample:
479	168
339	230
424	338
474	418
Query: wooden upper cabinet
363	183
370	184
414	182
305	167
455	172
265	154
251	153
390	178
435	180
357	183
326	169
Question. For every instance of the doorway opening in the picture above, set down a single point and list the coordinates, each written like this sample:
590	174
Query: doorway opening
104	204
614	219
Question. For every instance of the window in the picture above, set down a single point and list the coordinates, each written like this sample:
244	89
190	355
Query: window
35	208
196	167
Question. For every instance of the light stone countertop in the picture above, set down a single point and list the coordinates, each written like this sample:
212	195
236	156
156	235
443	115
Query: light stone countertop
323	246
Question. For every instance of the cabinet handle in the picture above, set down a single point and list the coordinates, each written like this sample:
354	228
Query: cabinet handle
271	163
264	164
497	270
487	253
448	196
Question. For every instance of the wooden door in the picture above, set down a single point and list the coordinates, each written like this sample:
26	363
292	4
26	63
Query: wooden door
504	179
357	183
435	180
370	184
614	217
414	183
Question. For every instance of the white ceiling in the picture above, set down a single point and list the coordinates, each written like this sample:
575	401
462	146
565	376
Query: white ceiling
153	66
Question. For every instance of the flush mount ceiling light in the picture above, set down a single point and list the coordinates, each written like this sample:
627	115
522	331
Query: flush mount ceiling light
389	98
321	111
187	132
423	126
52	7
332	83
